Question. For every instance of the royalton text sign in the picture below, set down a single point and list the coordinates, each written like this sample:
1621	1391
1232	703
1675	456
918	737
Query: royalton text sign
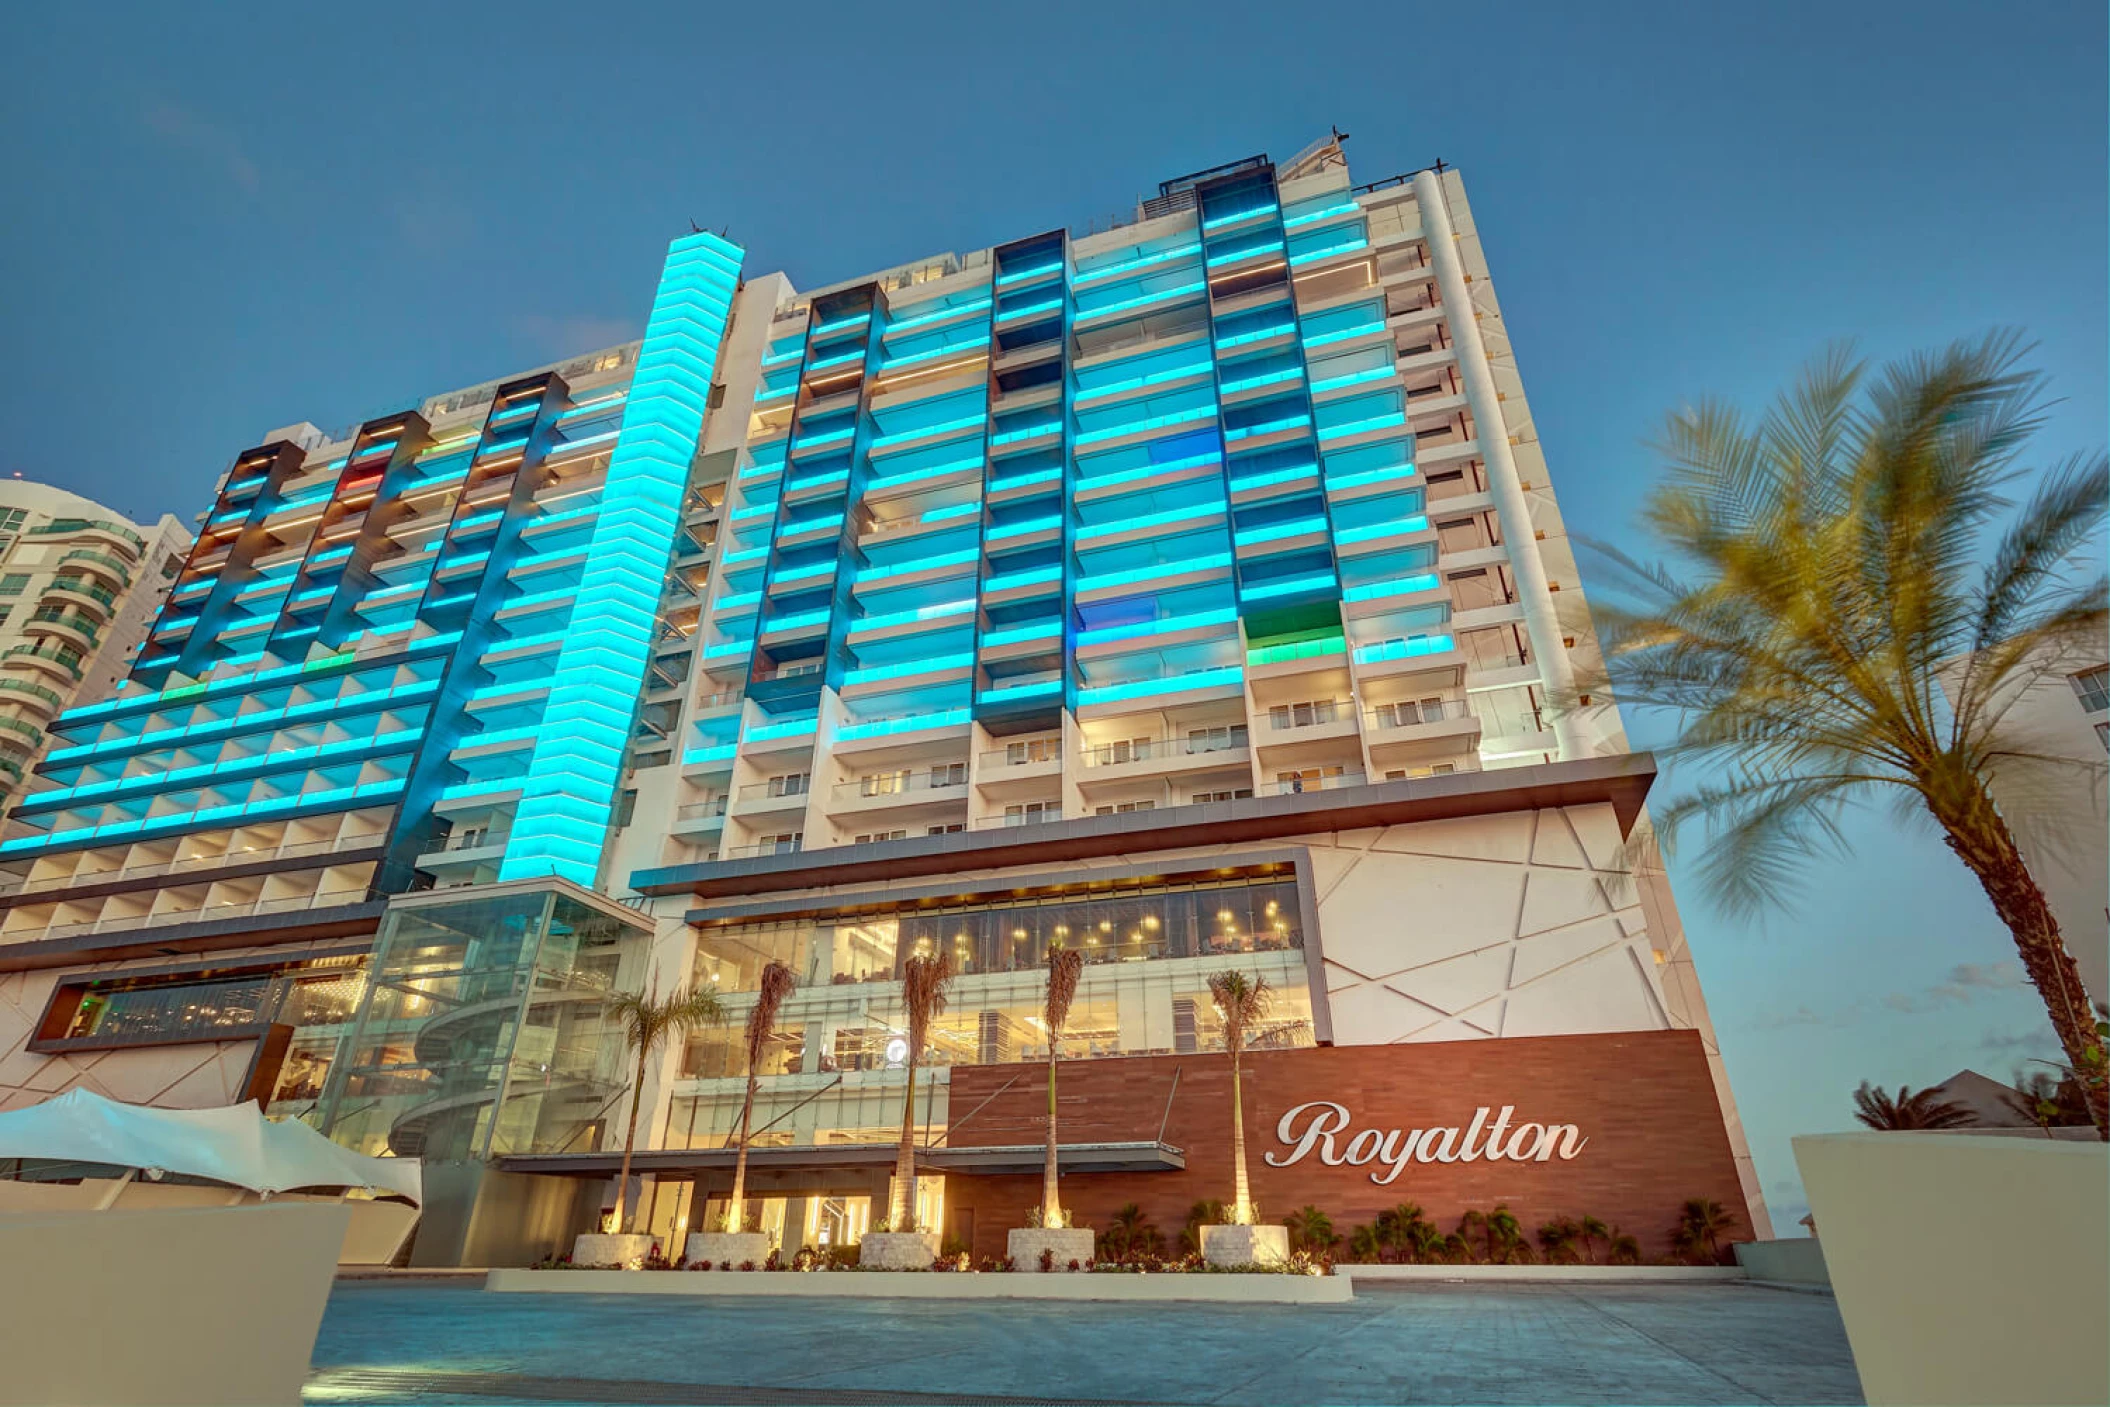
1318	1126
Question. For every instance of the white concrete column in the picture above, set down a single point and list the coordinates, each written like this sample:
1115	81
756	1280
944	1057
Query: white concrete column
1541	625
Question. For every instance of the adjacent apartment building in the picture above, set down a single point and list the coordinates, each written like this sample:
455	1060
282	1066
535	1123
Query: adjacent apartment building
1189	588
79	586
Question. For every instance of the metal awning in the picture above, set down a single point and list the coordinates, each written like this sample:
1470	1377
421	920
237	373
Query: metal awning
861	1158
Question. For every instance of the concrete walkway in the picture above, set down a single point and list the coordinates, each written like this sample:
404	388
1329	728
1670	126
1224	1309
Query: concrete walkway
1418	1343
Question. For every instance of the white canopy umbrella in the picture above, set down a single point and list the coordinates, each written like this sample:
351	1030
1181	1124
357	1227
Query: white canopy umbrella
236	1145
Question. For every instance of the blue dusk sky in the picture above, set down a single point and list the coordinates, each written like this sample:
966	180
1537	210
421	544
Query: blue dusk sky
229	217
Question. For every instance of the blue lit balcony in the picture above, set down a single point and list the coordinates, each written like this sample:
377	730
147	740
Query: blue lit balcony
1224	681
1382	536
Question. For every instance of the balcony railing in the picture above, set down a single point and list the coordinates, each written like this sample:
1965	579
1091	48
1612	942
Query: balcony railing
203	913
1146	749
35	691
1282	718
767	847
785	787
68	660
1287	786
117	565
724	699
893	784
188	864
701	810
1025	755
1411	713
1019	818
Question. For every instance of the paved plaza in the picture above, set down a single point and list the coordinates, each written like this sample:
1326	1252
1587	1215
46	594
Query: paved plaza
1426	1343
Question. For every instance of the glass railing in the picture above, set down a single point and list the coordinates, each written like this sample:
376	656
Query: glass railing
189	863
894	784
1286	786
36	691
1309	715
767	847
81	586
1028	755
787	788
701	810
70	660
1146	749
60	527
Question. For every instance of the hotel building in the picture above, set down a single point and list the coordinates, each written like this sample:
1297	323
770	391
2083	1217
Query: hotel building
79	586
1189	588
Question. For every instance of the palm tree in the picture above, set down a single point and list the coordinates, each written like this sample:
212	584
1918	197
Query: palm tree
1835	582
1591	1231
777	983
1310	1230
1505	1237
1407	1230
647	1022
1907	1111
1130	1232
1065	965
1701	1226
1561	1239
925	981
1365	1246
1242	1001
1622	1249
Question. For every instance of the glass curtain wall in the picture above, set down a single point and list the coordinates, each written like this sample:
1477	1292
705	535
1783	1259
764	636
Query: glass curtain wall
483	1031
833	1073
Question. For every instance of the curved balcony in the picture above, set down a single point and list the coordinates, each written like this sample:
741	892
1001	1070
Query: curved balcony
21	732
32	696
129	544
112	569
96	602
59	664
80	631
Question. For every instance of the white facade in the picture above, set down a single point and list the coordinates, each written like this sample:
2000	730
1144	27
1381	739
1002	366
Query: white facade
79	587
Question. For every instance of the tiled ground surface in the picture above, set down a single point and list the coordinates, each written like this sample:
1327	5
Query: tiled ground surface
1433	1343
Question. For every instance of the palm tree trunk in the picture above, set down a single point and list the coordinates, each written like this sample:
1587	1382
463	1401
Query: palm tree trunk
736	1219
1980	838
901	1209
622	1183
1242	1208
1050	1202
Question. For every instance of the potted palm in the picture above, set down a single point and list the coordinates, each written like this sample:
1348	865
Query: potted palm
1053	1235
647	1020
1242	1001
732	1243
900	1244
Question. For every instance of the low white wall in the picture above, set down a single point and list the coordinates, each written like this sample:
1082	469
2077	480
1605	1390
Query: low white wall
1588	1274
203	1305
930	1285
1968	1270
1797	1260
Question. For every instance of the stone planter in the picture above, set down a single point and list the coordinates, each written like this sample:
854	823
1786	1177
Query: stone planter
1069	1243
898	1250
620	1252
1245	1245
733	1248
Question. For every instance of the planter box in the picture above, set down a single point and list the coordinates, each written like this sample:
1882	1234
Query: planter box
725	1247
1967	1268
1024	1245
619	1252
1245	1245
928	1285
898	1250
